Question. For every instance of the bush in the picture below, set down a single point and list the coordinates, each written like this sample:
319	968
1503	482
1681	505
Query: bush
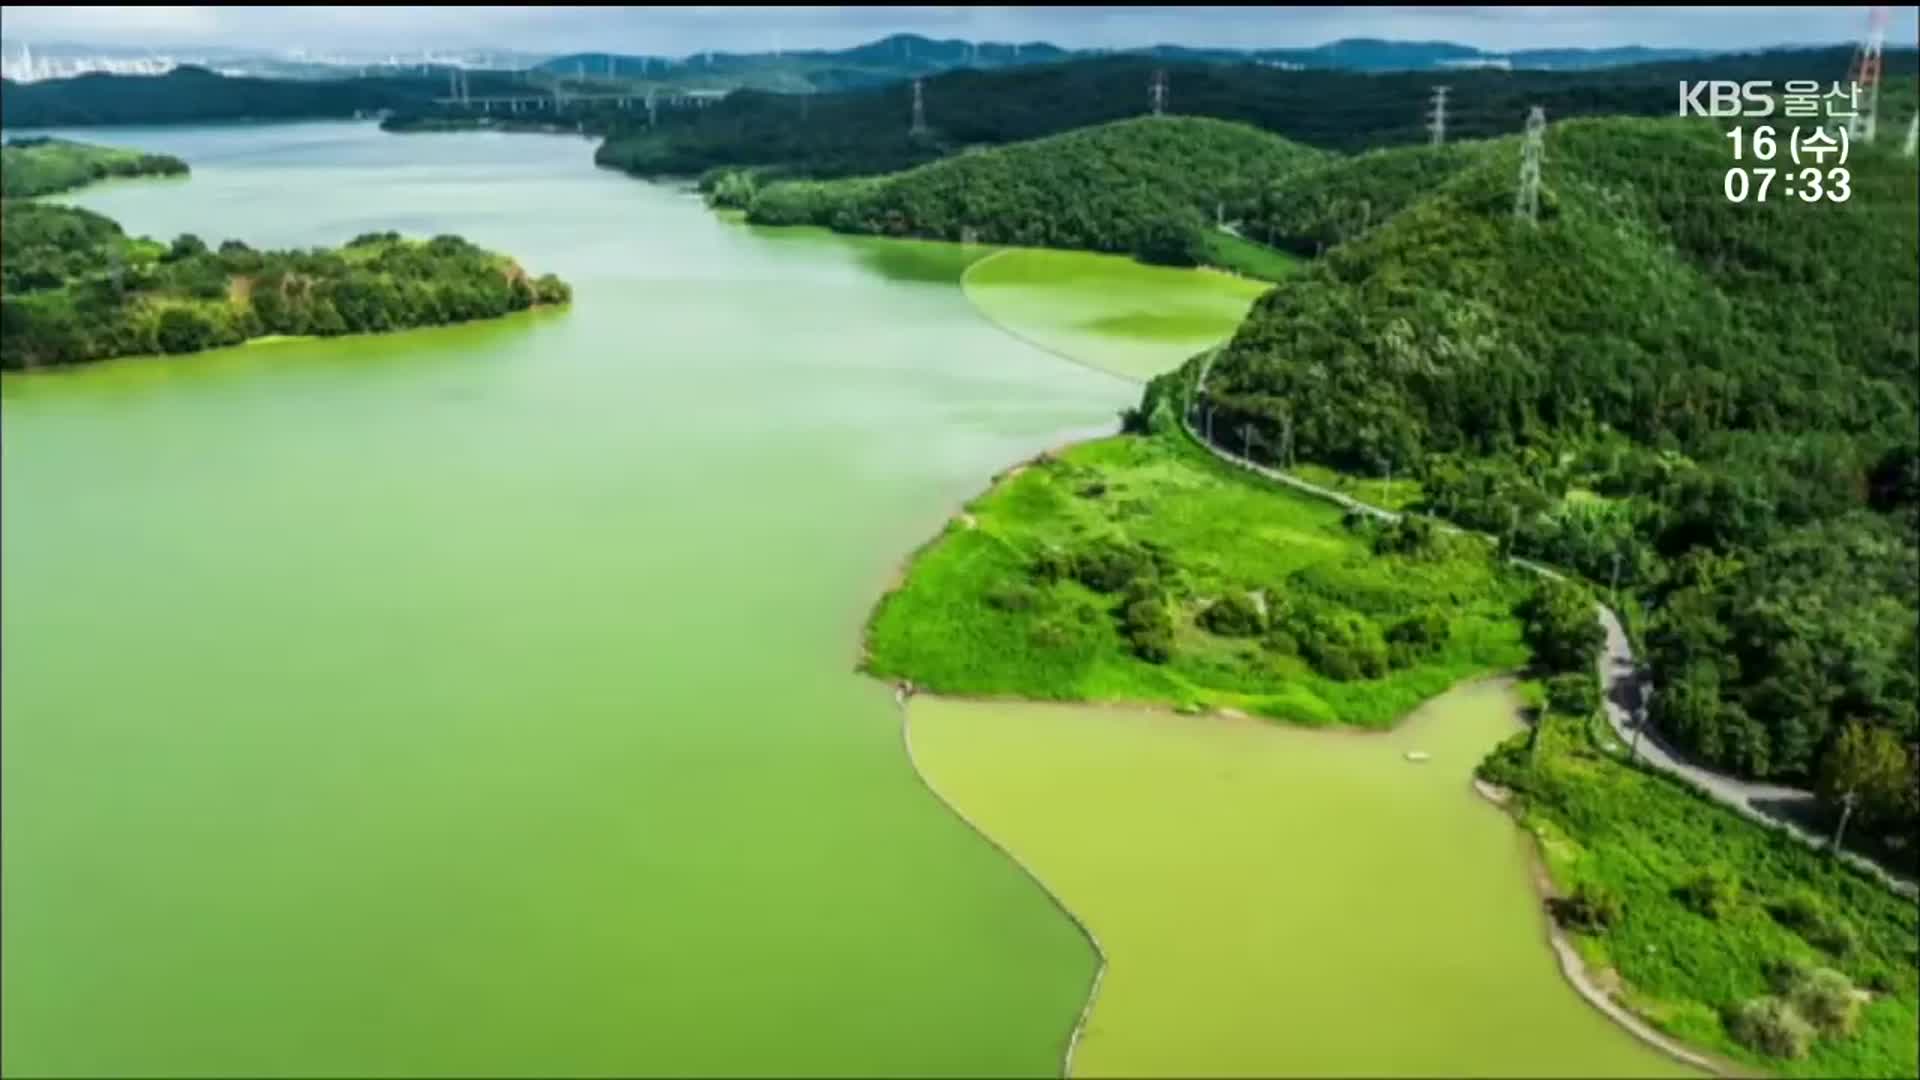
1233	615
1341	644
1803	912
1422	632
1051	565
1592	908
1014	596
1576	693
1110	566
1826	999
1771	1026
1712	892
1149	629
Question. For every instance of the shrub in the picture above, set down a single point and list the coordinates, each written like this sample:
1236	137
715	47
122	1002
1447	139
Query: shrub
1826	999
1771	1026
1233	615
1013	596
1110	566
1592	908
1712	892
1421	633
1149	629
1051	565
1803	912
1577	693
1341	644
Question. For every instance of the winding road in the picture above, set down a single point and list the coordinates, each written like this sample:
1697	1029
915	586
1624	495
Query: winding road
1626	686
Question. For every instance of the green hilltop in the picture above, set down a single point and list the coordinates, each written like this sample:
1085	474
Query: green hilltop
1149	186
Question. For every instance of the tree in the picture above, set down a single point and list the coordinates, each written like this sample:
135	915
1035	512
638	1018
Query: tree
1562	627
1869	763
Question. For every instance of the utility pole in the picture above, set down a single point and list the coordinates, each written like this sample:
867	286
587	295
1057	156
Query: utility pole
1613	587
919	111
1246	442
651	116
1866	77
1437	120
1846	811
1157	92
1913	135
1526	201
1286	439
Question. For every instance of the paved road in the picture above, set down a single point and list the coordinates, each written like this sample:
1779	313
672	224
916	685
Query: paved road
1625	687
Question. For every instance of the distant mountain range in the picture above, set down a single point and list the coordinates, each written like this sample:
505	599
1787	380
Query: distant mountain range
797	70
909	55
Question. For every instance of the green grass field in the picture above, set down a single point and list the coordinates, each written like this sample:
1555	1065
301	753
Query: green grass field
971	618
1230	252
1688	951
1275	901
1108	311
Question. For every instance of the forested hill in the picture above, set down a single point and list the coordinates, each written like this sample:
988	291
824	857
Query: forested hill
866	132
75	288
191	94
1714	402
1147	186
42	166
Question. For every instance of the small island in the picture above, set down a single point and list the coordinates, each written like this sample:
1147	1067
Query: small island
75	288
42	165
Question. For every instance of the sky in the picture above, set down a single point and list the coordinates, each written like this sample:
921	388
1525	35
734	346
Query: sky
678	31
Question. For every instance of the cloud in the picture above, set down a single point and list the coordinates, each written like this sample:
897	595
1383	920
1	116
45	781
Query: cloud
684	30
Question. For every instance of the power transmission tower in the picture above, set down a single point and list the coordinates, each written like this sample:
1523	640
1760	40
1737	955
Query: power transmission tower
651	107
919	111
1866	77
1526	201
1437	122
1913	135
1157	92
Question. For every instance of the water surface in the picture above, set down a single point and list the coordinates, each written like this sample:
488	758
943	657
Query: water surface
479	701
1278	901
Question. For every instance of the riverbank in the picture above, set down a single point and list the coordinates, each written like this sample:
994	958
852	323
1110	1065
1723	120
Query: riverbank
1588	984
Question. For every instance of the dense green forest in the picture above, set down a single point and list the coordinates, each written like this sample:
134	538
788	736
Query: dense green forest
76	288
42	166
192	94
1148	186
866	132
1711	404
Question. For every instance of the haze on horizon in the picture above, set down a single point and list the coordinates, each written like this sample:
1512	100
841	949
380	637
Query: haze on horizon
677	31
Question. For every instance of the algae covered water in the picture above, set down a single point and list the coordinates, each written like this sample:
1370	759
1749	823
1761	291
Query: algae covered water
480	701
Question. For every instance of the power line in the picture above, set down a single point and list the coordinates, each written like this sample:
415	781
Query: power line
1526	201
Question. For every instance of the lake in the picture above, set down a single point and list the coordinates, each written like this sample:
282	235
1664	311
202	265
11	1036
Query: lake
479	701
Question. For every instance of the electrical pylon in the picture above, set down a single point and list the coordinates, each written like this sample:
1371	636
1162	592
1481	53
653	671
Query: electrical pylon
1526	201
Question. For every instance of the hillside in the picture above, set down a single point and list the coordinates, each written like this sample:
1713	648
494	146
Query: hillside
30	167
866	132
1147	186
1714	402
191	94
77	289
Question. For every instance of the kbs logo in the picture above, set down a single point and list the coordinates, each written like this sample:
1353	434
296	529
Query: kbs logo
1726	98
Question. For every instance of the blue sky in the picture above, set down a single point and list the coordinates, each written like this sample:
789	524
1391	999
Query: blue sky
683	30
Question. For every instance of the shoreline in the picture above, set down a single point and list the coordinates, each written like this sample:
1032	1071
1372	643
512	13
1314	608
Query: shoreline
1574	968
905	706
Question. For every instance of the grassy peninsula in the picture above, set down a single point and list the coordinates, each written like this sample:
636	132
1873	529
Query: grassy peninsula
40	165
78	289
1139	569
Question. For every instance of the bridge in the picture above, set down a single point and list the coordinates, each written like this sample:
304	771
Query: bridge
513	103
